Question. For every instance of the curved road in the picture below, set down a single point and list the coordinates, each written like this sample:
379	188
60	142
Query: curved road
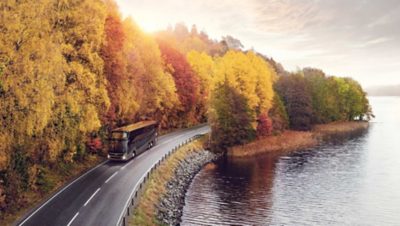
99	196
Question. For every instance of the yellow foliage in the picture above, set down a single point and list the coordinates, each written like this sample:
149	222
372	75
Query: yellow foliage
155	88
91	124
4	146
32	71
266	76
204	67
251	75
193	43
52	82
54	146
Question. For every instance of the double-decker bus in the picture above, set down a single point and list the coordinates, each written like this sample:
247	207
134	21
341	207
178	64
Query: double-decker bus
131	140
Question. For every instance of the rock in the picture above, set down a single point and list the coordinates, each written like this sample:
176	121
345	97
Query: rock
170	206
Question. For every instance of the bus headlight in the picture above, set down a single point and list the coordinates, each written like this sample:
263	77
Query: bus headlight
108	156
123	157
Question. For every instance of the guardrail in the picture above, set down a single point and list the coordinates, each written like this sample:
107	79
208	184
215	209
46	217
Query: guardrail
135	195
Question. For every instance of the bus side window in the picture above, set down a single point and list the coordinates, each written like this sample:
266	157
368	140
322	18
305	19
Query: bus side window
131	137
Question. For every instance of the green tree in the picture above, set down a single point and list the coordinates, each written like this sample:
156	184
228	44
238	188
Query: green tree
353	102
324	98
232	118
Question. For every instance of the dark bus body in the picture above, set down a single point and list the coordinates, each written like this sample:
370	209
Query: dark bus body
128	141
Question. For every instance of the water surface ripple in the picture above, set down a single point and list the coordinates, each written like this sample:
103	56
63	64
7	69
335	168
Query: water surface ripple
356	182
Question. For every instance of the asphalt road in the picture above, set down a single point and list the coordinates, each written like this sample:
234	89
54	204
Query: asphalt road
99	196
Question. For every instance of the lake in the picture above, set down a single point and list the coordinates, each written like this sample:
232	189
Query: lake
355	182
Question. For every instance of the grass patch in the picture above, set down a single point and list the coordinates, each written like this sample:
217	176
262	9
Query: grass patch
285	142
290	141
340	127
145	212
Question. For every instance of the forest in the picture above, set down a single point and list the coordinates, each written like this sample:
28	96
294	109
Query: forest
72	70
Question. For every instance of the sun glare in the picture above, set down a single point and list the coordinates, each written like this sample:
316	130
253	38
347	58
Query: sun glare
150	25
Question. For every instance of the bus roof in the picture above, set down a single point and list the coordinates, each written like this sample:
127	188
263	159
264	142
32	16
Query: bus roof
136	126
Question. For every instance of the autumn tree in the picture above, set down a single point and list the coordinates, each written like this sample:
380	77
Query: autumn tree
323	94
138	86
265	76
120	84
187	83
297	100
264	125
278	115
232	117
53	86
31	70
80	30
252	78
31	79
185	40
250	75
156	91
204	67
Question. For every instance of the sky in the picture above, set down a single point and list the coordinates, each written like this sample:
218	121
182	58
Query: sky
348	38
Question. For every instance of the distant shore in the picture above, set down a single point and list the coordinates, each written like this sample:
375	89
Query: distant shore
290	141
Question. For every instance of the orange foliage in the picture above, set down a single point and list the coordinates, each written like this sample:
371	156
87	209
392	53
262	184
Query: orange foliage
114	64
187	83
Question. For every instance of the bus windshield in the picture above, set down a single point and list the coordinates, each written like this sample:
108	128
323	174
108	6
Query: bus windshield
119	136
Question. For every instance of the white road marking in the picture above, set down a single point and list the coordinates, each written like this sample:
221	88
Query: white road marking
44	204
70	222
91	197
63	189
111	177
140	180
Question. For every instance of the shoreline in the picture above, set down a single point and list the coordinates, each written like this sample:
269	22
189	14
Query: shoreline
290	141
164	194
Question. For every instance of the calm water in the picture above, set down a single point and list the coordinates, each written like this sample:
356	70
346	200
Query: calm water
353	183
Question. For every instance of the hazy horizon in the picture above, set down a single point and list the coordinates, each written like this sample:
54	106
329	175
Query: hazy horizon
389	90
357	39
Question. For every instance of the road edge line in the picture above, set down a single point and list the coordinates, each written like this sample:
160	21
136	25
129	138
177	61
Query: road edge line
59	192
